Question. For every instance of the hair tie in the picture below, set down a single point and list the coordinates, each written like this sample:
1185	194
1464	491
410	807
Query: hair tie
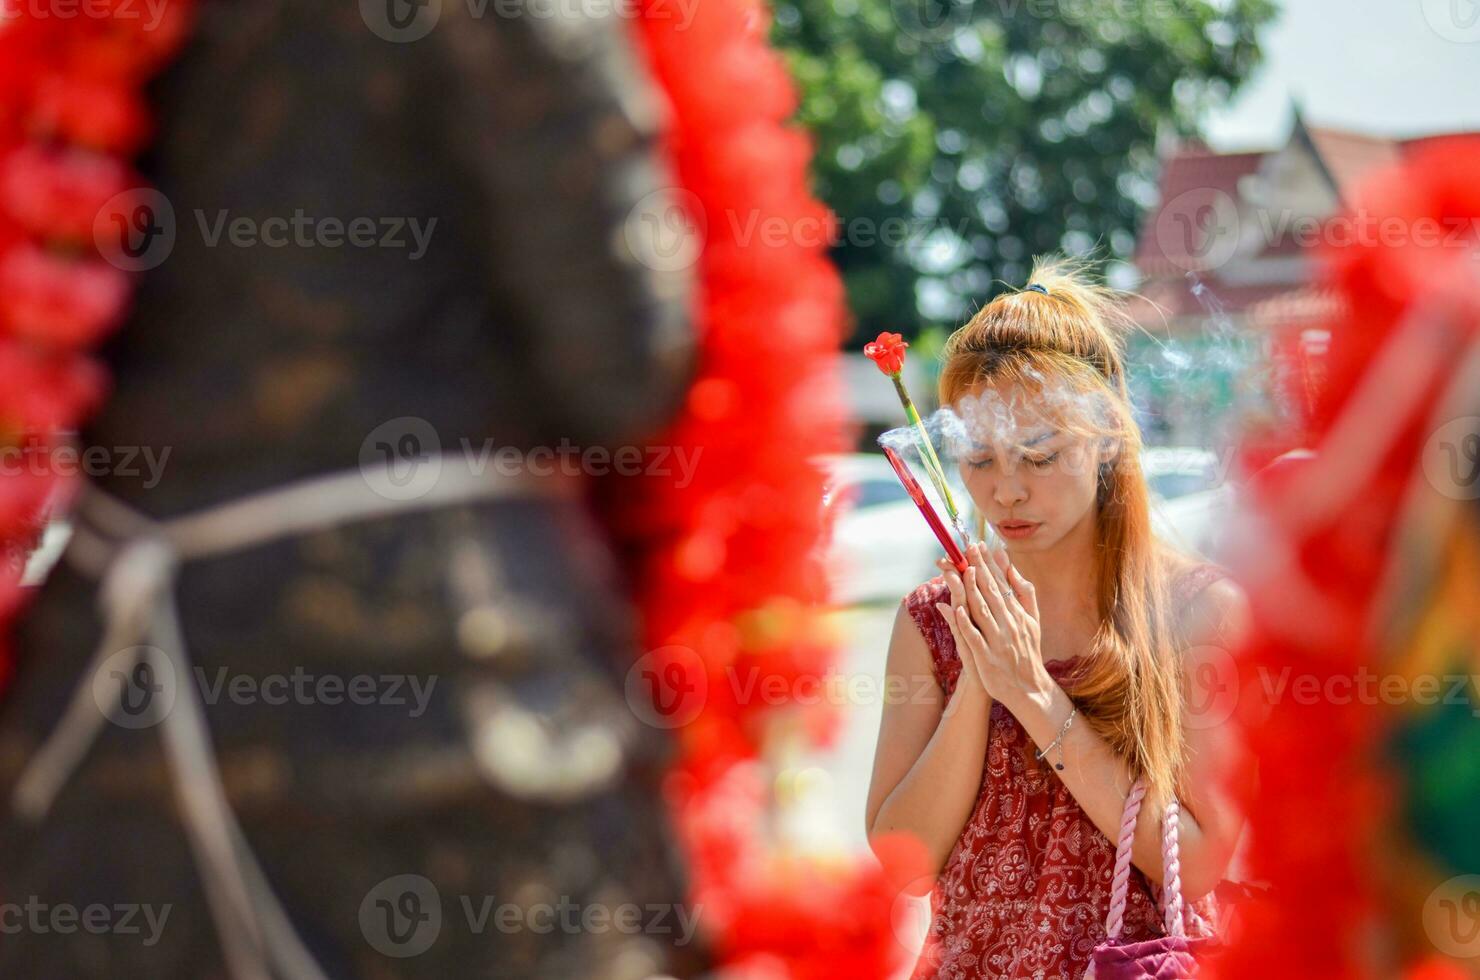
1037	288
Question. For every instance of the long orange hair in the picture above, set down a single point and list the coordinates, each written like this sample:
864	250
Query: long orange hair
1071	338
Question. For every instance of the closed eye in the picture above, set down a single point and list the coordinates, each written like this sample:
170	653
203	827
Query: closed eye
1043	462
979	464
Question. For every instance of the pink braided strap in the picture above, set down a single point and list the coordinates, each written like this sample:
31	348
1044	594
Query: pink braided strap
1171	873
1171	892
1120	882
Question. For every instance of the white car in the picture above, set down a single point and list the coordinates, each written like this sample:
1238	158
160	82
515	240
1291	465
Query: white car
881	547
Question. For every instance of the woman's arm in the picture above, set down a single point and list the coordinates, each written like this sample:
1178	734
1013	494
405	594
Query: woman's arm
928	762
1000	635
1210	822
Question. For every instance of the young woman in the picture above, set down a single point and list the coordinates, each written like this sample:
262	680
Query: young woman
1063	666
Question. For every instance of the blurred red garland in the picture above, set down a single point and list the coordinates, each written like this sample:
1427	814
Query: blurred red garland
727	569
72	114
1327	819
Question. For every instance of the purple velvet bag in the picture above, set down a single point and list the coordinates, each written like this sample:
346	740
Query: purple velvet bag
1168	957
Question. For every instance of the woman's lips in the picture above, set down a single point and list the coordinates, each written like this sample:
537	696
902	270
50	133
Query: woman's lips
1015	530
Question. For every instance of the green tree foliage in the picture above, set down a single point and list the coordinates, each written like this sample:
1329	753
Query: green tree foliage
958	138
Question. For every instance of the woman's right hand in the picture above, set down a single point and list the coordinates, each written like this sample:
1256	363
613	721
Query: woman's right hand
969	684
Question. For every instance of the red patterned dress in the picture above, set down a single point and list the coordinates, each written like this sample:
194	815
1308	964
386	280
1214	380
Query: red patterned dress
1024	893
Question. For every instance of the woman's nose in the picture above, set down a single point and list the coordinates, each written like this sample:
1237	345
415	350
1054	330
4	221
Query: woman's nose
1009	491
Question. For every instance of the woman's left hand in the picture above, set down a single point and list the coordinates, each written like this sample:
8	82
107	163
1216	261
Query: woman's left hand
998	628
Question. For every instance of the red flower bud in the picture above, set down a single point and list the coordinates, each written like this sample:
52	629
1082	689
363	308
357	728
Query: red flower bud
56	194
57	301
887	351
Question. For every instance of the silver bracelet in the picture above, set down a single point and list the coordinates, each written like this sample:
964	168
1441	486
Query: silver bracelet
1058	742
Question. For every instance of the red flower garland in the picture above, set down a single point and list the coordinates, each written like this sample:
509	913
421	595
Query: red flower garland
71	113
727	569
1324	794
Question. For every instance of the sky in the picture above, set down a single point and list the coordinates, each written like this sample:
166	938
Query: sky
1387	67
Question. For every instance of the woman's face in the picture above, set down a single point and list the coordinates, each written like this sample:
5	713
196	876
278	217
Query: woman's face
1033	480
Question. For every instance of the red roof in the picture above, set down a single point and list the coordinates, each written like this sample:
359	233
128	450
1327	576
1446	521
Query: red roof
1348	157
1191	180
1201	191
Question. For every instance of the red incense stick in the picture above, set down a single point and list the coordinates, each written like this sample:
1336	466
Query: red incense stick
912	486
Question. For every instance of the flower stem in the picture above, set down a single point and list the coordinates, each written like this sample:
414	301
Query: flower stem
933	468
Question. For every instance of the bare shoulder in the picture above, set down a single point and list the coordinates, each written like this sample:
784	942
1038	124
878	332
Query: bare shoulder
1217	614
1210	607
909	643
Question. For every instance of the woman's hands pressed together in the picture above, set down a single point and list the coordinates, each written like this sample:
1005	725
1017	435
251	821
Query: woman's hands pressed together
993	617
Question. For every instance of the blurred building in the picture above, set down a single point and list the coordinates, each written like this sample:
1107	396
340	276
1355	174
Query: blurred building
1226	255
1243	226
